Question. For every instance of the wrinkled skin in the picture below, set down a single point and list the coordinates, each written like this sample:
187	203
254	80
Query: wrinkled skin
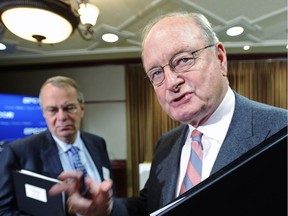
193	96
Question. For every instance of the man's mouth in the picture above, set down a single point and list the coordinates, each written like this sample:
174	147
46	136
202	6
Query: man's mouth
64	127
182	99
179	98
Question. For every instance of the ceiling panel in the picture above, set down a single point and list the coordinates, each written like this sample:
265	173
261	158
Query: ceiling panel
265	23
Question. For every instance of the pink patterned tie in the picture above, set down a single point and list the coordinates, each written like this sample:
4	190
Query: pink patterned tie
194	167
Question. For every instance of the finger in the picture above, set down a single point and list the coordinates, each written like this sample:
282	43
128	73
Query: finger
94	187
104	189
99	203
58	188
68	186
101	196
79	204
70	183
106	186
70	175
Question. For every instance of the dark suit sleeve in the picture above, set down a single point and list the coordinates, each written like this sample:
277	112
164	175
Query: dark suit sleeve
25	154
129	207
151	197
7	199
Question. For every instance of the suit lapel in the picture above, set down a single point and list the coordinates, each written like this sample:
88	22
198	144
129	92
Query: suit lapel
49	155
240	137
168	169
91	147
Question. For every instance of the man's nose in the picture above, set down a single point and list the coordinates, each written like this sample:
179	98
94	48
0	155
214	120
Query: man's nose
172	78
61	114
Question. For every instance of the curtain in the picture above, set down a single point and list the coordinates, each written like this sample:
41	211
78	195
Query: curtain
260	80
263	81
146	121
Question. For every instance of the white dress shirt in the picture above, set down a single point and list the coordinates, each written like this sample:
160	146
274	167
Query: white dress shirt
214	131
84	157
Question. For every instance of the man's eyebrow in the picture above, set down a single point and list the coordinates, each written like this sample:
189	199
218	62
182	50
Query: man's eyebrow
51	106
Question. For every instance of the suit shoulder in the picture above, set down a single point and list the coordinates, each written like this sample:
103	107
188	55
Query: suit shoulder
30	140
28	147
270	113
263	116
260	107
91	136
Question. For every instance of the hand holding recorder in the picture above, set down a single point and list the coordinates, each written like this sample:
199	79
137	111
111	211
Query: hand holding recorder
86	196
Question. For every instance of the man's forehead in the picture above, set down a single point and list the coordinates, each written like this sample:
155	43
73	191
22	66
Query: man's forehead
170	33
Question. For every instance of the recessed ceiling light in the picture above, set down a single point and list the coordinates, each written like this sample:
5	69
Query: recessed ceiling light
247	47
2	46
234	31
109	37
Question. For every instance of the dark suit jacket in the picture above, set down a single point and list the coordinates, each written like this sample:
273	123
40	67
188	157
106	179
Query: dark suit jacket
39	153
251	124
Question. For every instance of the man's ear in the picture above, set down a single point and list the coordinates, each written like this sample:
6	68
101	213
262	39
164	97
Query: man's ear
222	57
82	107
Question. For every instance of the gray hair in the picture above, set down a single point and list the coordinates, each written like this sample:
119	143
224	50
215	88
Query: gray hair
208	33
62	81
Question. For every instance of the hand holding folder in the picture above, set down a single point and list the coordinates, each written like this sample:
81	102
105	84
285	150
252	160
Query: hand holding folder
32	195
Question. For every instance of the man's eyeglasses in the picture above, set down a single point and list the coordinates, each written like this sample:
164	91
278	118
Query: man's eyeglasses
68	109
180	63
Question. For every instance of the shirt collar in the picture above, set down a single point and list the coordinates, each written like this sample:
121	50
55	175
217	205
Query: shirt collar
63	147
217	125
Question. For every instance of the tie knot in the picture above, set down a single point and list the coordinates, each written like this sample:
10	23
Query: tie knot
196	135
74	150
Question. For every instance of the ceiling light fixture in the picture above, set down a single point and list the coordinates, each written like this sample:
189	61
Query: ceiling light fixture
235	31
2	46
45	21
88	15
110	38
246	47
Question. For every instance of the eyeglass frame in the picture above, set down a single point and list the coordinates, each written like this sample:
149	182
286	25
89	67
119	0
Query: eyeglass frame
172	67
69	109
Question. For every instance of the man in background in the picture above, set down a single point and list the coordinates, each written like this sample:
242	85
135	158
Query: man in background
187	66
48	153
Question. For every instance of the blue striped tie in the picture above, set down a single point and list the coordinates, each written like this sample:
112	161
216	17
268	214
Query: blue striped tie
76	160
194	167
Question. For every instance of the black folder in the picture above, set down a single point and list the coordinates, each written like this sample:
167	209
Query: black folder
31	190
254	184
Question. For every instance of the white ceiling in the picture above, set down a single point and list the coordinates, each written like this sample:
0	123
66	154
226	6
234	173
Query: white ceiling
265	23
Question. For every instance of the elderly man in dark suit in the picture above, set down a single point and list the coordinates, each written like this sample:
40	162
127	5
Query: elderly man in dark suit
187	66
46	153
